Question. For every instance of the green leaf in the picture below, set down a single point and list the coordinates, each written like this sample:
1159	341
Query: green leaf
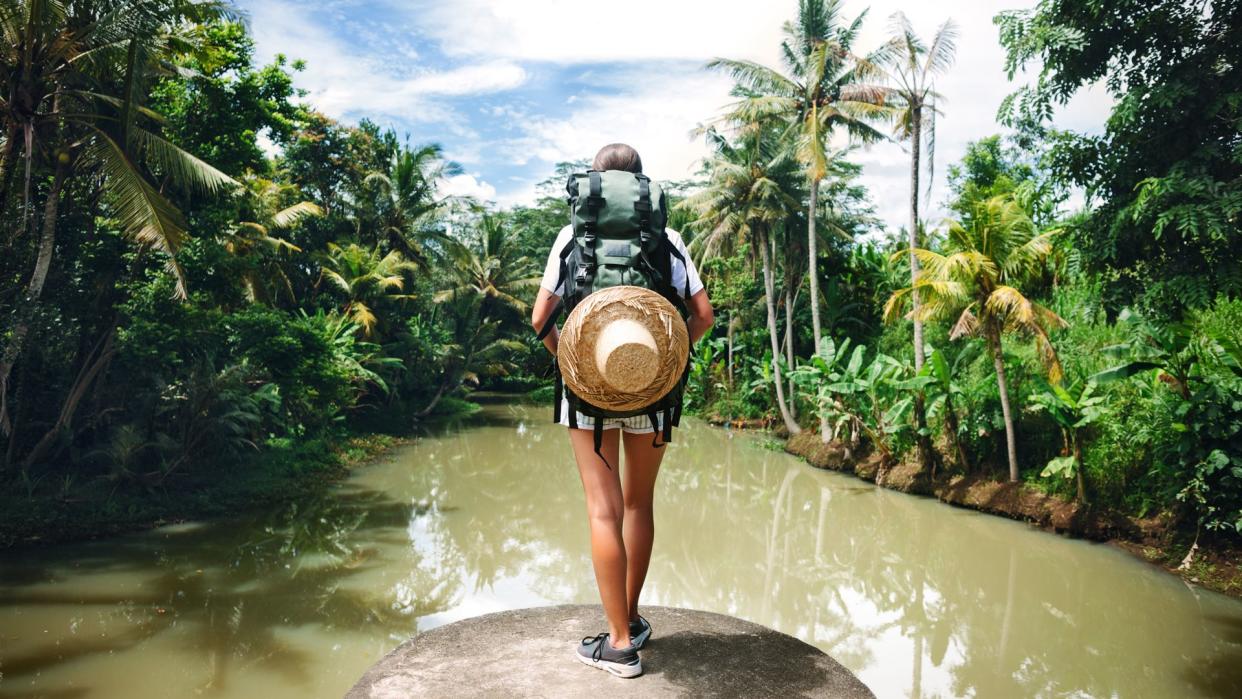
1063	465
1124	371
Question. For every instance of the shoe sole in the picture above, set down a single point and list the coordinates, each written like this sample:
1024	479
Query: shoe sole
618	669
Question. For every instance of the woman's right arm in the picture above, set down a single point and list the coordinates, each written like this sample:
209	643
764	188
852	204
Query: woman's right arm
545	306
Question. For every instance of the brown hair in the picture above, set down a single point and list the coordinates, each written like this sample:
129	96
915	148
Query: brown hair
617	156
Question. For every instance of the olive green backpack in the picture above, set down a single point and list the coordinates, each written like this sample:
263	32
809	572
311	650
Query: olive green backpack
618	220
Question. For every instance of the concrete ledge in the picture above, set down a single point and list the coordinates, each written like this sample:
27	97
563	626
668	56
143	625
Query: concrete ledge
528	652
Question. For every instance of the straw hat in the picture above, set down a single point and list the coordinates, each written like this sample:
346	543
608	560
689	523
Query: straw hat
623	348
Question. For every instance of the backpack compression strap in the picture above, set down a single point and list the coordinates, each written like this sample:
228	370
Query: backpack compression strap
643	207
594	202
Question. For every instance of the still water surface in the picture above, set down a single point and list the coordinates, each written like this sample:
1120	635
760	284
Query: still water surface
917	598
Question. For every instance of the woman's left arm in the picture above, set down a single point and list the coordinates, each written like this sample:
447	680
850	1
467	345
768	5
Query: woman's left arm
701	315
545	306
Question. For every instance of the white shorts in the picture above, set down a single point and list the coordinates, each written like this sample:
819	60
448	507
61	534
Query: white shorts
639	424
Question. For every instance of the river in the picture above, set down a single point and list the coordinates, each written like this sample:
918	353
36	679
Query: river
917	598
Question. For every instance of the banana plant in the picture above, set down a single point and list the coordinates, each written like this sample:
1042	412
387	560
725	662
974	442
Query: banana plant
942	390
854	397
827	380
703	359
1073	408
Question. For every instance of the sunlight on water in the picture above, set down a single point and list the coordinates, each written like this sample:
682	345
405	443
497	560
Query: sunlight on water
917	598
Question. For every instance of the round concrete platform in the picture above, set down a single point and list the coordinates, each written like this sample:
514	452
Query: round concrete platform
528	653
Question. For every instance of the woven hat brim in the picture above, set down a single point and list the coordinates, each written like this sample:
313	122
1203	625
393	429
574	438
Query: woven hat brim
576	351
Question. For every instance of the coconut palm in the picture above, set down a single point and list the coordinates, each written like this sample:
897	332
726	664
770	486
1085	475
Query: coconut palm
488	271
73	73
825	86
979	279
254	239
367	278
744	202
408	202
490	264
912	66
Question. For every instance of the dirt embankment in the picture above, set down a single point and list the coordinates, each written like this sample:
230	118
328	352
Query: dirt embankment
1217	567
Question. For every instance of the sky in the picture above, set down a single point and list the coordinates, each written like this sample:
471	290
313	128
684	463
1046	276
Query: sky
509	88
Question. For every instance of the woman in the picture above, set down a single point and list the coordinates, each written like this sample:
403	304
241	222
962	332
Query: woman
619	500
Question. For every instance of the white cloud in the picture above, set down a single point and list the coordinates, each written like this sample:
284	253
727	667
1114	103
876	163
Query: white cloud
566	31
341	79
499	43
466	185
654	111
484	77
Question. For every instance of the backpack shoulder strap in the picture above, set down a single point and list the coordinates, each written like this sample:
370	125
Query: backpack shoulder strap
562	283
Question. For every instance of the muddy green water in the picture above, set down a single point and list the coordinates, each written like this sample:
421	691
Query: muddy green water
917	598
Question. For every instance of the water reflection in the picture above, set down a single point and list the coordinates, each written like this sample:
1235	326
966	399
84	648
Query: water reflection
919	599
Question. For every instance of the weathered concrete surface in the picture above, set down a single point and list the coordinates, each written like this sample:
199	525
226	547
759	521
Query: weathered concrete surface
528	653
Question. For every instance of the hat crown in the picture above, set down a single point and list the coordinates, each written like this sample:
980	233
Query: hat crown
626	355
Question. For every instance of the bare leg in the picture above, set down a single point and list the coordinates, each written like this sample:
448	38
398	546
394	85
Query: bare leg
605	511
642	464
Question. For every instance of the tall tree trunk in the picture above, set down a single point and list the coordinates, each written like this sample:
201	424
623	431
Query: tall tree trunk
95	363
435	400
812	244
951	425
789	355
913	235
1082	481
729	336
6	159
922	440
30	301
769	296
998	361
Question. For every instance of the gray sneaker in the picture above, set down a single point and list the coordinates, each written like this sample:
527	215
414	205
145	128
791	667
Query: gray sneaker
598	652
640	631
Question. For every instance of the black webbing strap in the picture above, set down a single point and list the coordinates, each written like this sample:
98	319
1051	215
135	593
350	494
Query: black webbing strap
682	258
643	205
654	417
573	410
558	392
598	436
670	419
594	202
551	321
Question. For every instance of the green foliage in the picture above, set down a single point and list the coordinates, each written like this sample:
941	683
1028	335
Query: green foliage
1165	175
860	398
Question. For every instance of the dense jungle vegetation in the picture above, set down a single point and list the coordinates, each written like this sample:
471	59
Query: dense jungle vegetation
209	286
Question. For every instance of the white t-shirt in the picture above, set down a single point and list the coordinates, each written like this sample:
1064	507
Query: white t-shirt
681	272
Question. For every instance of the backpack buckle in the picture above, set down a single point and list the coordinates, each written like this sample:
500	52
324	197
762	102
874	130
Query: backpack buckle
581	276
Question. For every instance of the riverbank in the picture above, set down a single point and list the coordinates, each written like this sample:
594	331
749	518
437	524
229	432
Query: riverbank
1215	565
99	509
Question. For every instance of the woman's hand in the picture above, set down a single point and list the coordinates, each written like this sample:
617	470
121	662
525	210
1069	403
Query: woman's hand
701	315
545	306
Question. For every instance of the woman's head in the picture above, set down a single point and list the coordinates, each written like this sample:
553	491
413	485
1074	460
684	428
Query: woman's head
617	156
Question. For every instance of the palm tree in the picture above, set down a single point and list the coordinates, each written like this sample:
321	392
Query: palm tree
254	239
367	278
73	73
488	270
490	264
408	200
743	203
978	278
913	66
826	86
